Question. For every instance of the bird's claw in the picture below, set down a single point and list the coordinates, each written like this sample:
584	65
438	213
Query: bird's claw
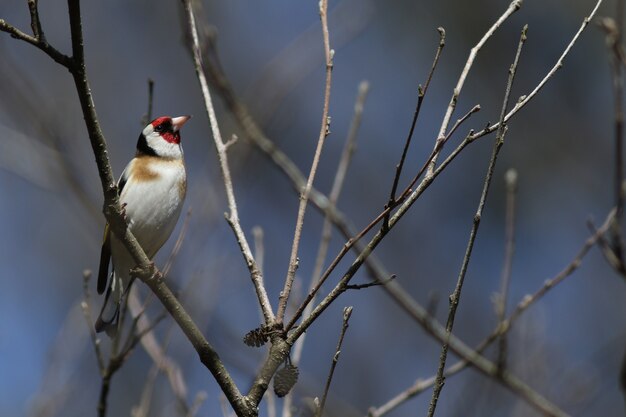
123	212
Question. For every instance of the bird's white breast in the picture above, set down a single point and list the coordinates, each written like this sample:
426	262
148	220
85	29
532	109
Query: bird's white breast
154	195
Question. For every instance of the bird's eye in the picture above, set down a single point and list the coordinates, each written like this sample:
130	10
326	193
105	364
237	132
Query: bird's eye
158	128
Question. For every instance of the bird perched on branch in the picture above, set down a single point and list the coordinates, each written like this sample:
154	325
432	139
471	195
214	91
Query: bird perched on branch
152	190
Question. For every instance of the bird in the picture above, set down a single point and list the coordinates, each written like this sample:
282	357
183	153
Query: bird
152	190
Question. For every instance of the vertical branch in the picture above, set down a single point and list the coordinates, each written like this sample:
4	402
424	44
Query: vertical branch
456	295
501	298
619	130
614	36
35	23
148	116
513	7
232	217
333	197
618	98
347	312
420	99
525	99
304	195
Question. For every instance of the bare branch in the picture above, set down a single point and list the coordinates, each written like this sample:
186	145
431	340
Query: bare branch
375	283
233	216
85	306
607	251
347	312
614	43
420	99
148	116
501	297
438	147
525	99
145	270
456	295
35	23
37	40
422	316
304	196
322	252
513	7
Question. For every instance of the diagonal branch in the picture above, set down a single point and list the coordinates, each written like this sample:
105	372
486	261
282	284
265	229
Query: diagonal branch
525	99
347	312
513	7
422	316
322	252
456	295
420	99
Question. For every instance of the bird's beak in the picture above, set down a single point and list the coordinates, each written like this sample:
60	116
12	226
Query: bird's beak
178	122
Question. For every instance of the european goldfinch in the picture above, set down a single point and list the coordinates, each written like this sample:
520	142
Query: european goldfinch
152	190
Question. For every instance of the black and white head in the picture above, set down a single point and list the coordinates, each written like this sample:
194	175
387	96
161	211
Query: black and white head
161	137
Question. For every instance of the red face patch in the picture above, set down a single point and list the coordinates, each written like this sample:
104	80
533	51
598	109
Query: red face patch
171	137
163	126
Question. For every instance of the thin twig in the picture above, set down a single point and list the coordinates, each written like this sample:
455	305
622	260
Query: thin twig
438	147
422	316
420	99
35	23
513	7
37	40
304	196
199	399
614	36
322	251
501	297
347	312
232	217
607	251
456	295
157	352
148	116
352	240
143	408
259	247
267	147
85	305
525	99
469	356
473	357
370	284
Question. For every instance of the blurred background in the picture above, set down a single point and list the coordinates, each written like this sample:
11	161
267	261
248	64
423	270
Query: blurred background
569	346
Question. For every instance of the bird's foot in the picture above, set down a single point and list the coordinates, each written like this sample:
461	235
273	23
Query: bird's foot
123	212
157	274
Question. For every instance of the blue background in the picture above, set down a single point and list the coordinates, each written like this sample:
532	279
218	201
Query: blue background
568	346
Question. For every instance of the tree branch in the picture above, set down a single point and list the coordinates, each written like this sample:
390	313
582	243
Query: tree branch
422	317
420	99
232	217
347	312
322	252
145	270
525	99
513	7
509	248
304	196
456	295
